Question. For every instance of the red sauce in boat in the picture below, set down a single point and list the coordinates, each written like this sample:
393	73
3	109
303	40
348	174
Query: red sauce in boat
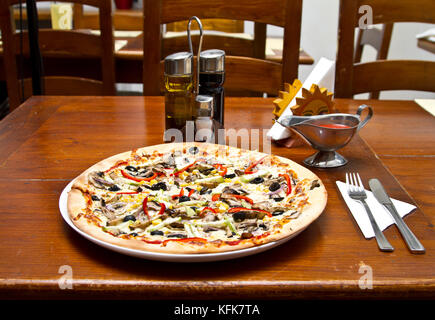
333	126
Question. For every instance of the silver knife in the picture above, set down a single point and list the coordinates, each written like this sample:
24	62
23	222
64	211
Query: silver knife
411	240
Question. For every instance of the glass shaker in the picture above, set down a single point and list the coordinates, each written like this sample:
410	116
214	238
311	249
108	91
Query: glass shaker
212	78
178	80
203	116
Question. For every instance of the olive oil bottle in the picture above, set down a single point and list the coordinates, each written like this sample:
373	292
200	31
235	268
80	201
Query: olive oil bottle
178	89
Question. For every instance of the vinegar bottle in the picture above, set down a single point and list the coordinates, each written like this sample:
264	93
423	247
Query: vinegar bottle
212	78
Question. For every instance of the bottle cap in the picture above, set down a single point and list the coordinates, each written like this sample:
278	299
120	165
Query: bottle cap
212	61
204	106
180	63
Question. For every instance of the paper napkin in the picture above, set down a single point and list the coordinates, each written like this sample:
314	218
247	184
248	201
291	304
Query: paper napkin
380	213
427	104
323	75
428	34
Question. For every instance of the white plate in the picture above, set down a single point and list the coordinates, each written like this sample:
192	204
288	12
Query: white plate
169	257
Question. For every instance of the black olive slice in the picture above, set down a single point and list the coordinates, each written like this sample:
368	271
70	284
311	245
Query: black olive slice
114	188
129	218
257	180
274	186
131	168
277	213
183	199
177	235
230	176
156	233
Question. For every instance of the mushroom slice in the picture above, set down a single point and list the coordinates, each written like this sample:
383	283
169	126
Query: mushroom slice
97	180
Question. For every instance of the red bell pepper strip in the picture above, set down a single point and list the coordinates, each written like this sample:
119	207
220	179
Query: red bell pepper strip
178	195
221	167
289	185
144	207
162	208
137	179
252	166
216	197
238	209
116	166
184	169
152	241
191	192
238	196
131	192
207	209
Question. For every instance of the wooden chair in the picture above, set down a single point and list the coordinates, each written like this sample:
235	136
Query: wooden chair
63	44
128	20
379	39
379	75
242	73
231	38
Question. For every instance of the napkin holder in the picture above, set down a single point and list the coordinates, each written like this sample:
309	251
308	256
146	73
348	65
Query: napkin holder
316	101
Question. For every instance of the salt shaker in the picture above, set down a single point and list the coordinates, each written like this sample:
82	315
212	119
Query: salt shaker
203	117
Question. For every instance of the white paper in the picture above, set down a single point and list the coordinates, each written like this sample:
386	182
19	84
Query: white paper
380	213
427	34
323	75
427	104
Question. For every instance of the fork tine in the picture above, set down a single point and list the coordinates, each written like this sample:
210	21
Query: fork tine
360	182
347	182
351	185
355	182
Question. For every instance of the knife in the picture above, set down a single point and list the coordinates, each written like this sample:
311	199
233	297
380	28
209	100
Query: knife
411	240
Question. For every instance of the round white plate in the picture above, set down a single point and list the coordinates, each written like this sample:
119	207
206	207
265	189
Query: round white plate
169	257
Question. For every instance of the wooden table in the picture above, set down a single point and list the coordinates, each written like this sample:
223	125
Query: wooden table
48	141
128	62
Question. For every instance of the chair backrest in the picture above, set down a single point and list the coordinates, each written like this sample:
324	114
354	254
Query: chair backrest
379	39
378	75
242	73
128	20
60	44
229	35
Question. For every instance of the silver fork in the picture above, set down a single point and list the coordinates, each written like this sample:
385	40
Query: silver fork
356	191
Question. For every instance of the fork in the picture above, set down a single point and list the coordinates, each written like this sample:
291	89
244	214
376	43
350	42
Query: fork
356	191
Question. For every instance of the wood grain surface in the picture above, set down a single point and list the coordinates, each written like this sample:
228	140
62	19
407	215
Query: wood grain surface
48	141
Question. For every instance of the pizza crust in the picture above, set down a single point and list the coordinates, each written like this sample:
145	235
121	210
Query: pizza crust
77	204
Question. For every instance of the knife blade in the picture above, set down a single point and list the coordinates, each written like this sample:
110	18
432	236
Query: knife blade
381	195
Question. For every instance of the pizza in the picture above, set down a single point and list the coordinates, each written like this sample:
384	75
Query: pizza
193	198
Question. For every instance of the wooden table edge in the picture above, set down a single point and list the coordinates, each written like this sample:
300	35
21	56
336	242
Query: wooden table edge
336	289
